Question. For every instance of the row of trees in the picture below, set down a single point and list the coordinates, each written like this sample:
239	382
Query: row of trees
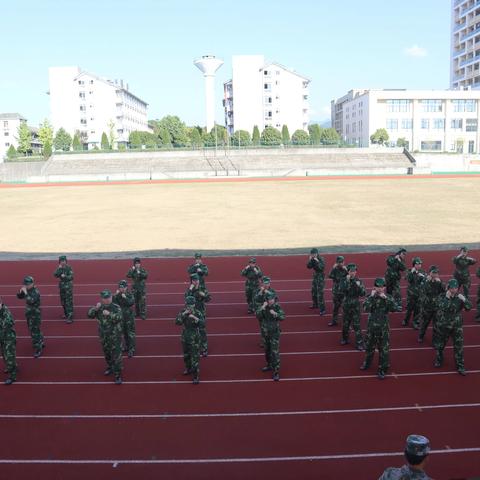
380	137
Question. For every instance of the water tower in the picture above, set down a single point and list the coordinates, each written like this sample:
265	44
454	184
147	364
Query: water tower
209	64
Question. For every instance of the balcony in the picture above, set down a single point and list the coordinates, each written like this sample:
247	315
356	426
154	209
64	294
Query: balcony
457	53
467	10
460	27
469	61
470	35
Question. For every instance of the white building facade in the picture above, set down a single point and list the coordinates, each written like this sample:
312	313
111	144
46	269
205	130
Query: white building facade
9	124
465	44
429	120
265	94
83	102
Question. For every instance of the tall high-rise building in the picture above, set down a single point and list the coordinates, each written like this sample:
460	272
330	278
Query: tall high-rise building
83	102
264	94
465	44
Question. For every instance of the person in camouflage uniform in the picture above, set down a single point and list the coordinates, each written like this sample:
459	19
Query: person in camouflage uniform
199	268
260	298
64	273
8	343
317	264
138	274
450	324
271	314
337	274
353	289
378	305
191	319
253	275
109	316
33	313
433	289
477	316
462	263
124	299
416	453
395	267
416	278
202	297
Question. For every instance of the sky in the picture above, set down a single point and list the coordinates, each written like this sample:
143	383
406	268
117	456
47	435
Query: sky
152	44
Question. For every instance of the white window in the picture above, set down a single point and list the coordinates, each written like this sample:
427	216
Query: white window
407	124
439	123
5	124
471	125
398	105
457	123
6	134
425	124
392	123
7	144
431	105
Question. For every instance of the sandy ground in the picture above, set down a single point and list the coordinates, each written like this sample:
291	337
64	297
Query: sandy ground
241	215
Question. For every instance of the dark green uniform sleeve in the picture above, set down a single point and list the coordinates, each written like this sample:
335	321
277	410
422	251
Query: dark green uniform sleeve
92	312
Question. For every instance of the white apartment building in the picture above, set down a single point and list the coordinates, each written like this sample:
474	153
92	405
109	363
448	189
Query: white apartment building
81	101
9	123
465	44
429	120
264	94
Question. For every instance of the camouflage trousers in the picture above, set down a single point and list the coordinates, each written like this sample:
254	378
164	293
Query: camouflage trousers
465	283
250	290
337	303
34	320
427	317
191	350
351	318
393	289
272	349
477	316
318	285
140	303
444	333
8	348
414	308
378	338
66	298
128	330
262	331
112	349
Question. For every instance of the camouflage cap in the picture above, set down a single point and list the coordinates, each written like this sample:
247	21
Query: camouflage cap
137	260
105	293
252	260
28	280
340	259
313	251
198	255
417	445
464	249
351	267
452	283
379	282
190	300
194	276
417	261
434	269
123	284
266	280
270	296
62	258
401	250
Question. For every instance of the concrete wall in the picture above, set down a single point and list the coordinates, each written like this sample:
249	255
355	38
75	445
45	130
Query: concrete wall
448	163
19	171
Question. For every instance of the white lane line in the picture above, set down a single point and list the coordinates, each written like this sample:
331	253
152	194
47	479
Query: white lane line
183	461
241	414
234	355
240	381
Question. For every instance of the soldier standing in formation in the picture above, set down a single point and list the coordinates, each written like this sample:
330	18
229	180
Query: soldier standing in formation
201	296
395	267
338	272
33	313
64	273
450	324
477	316
271	315
378	305
191	319
124	299
253	275
353	289
462	263
199	268
259	299
109	316
433	289
138	274
415	278
8	342
317	264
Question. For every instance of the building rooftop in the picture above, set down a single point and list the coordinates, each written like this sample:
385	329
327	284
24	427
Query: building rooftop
12	116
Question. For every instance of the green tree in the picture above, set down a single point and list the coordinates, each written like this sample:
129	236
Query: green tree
218	136
175	127
256	136
112	134
402	142
300	137
150	140
195	138
24	138
271	136
47	150
315	132
380	137
45	134
329	136
241	138
135	139
285	135
11	152
62	141
165	138
104	142
76	144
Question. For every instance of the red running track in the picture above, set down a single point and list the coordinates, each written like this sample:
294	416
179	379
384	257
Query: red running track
324	419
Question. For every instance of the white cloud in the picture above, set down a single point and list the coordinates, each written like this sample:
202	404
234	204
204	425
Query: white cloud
415	51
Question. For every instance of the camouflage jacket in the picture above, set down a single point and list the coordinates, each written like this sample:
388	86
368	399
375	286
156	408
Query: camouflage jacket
353	289
32	299
261	296
403	473
269	321
478	272
432	291
318	265
190	325
108	323
7	324
378	309
200	295
416	281
395	267
67	271
125	303
449	310
138	276
200	269
461	267
337	274
253	275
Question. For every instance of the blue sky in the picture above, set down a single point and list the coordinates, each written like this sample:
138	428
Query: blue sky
151	44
